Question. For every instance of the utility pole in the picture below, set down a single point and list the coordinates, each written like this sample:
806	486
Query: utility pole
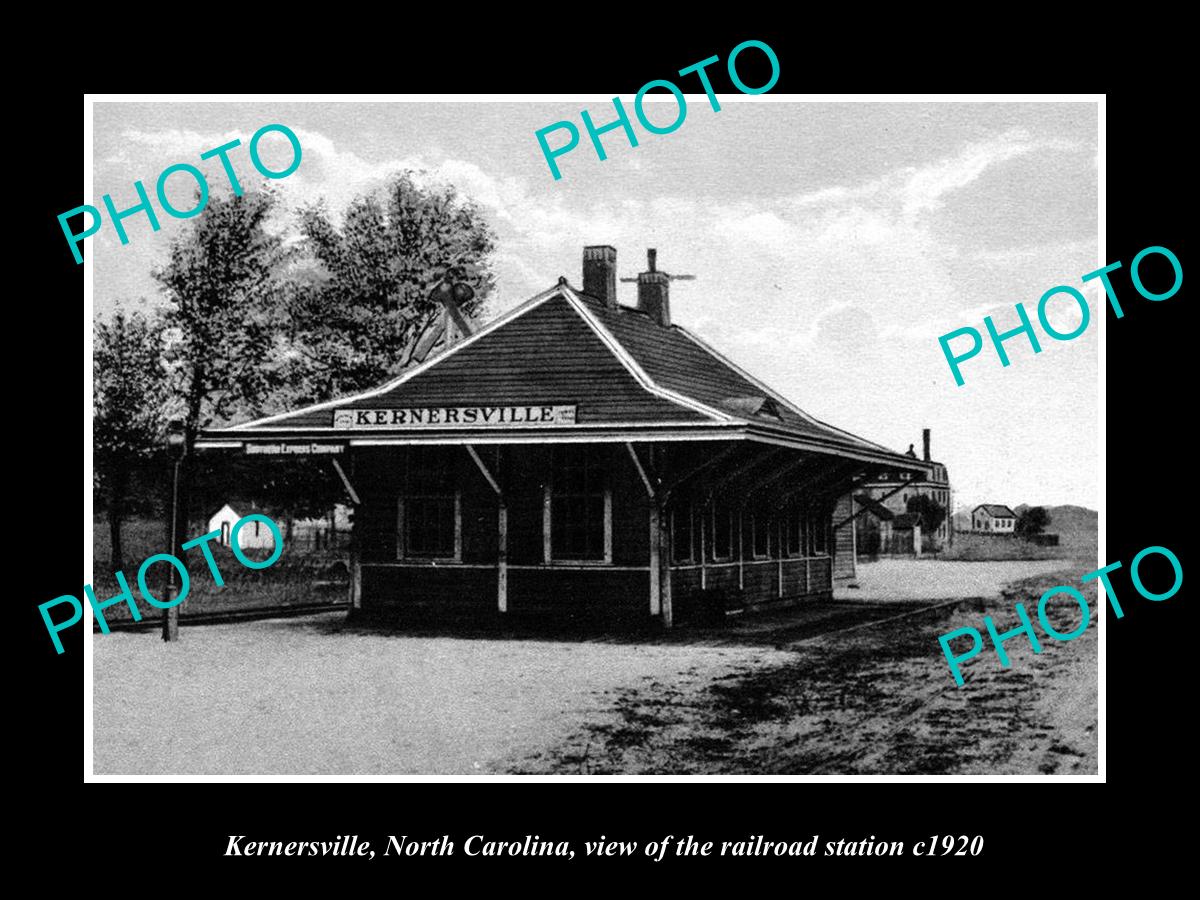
176	447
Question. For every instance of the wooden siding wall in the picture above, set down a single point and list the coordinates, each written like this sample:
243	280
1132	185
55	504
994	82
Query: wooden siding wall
429	589
390	584
803	579
620	590
596	593
751	583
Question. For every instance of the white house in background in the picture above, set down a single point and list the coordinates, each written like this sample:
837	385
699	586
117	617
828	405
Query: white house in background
993	518
252	535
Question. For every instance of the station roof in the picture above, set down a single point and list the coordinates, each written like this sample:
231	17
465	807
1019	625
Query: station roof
996	509
623	376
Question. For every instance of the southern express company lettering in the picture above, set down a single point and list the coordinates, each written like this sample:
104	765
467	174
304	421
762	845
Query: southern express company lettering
454	417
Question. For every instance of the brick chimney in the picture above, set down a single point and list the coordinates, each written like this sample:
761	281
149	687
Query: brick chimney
654	291
600	273
925	435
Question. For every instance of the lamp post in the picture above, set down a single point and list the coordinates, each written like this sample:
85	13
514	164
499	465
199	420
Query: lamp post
176	447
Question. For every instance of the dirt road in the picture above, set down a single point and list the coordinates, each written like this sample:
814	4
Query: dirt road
791	692
869	701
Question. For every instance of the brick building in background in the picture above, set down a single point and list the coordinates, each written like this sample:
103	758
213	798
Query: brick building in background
874	520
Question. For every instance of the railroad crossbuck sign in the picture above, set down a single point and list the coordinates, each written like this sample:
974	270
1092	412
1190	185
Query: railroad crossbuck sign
455	417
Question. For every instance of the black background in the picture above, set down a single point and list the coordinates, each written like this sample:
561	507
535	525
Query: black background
174	835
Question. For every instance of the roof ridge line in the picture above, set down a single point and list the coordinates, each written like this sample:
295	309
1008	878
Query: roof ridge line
626	359
496	323
771	392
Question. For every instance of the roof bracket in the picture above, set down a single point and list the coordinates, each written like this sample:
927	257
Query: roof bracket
346	481
486	473
641	469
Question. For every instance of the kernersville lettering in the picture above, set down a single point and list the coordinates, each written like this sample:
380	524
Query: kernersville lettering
525	415
344	845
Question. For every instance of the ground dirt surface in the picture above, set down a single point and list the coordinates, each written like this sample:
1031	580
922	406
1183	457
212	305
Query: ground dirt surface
843	687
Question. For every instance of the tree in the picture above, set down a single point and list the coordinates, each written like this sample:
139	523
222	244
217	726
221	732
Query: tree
129	391
370	303
221	284
930	513
1032	521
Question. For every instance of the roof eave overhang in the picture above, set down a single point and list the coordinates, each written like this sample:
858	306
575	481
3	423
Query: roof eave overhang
647	431
233	438
836	448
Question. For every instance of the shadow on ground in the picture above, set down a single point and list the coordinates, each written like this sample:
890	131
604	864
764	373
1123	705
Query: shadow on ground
778	628
860	699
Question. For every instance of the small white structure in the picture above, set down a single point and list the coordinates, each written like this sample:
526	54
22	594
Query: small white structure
322	531
993	518
252	535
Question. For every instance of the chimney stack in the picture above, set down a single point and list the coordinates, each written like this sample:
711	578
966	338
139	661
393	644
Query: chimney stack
600	273
925	435
653	291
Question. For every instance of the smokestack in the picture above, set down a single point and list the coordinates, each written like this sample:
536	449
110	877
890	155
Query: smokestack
600	273
925	435
653	291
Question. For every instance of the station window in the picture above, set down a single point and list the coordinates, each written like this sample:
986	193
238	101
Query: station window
722	532
793	538
683	538
430	513
579	507
818	526
761	531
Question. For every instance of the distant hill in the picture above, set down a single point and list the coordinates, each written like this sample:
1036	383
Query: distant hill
1076	526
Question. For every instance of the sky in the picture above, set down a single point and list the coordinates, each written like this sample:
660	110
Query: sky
832	243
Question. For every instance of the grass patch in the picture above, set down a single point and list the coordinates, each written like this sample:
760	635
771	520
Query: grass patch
993	547
299	577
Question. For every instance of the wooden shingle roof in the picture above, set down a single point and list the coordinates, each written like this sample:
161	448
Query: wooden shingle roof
625	373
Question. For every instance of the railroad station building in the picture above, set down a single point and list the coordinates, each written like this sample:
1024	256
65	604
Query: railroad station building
577	457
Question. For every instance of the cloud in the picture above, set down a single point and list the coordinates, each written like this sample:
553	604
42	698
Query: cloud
325	171
171	144
832	292
923	189
796	260
881	241
911	190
